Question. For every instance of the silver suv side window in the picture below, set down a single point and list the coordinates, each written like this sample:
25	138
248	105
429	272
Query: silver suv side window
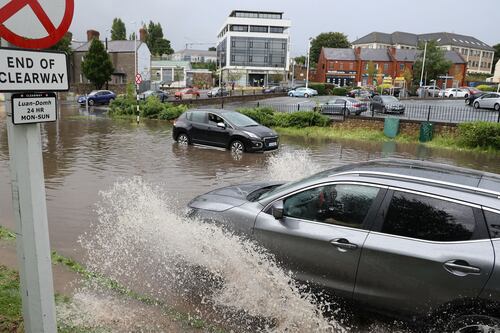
493	221
345	205
421	217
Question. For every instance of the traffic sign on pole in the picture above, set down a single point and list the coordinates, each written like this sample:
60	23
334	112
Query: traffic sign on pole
138	79
29	108
35	25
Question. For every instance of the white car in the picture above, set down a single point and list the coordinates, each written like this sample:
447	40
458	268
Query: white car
488	101
454	92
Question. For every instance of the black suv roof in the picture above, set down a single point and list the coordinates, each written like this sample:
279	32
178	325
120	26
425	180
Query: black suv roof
440	173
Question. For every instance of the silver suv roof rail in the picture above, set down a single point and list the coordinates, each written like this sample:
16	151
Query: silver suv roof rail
421	180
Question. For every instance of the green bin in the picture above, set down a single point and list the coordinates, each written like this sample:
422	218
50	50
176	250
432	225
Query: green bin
391	127
426	131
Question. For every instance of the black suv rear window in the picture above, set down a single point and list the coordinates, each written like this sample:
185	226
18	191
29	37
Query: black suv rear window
421	217
493	221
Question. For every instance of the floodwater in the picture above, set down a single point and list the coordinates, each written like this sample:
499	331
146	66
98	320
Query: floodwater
147	179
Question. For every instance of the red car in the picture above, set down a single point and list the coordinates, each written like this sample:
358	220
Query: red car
187	93
472	91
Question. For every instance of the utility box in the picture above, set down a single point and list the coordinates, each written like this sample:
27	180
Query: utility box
391	127
426	132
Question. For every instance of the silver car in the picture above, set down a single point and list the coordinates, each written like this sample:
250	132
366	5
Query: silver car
488	101
343	105
410	238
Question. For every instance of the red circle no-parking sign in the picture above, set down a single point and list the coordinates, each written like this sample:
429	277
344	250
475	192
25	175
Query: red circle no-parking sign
15	7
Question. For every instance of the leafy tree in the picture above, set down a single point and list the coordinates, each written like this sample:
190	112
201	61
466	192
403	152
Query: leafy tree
435	62
97	65
155	41
408	75
301	60
213	48
327	39
497	55
118	30
131	36
64	44
372	72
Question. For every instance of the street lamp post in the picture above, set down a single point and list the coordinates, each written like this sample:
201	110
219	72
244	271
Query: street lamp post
135	70
423	66
308	61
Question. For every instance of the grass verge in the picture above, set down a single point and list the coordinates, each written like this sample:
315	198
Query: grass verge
10	300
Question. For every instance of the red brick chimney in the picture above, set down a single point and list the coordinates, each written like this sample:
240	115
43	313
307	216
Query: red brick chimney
357	53
91	34
143	34
392	53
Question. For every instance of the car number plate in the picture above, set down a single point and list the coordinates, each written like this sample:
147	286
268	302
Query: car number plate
272	144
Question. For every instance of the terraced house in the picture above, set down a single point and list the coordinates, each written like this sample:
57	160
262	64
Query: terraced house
351	66
477	54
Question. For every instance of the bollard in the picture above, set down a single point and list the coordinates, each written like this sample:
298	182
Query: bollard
242	92
498	120
258	104
429	113
298	107
345	113
222	101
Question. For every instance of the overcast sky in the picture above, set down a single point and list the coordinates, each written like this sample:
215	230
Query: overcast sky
198	21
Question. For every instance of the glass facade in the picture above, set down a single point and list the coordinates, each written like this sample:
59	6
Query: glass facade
258	52
276	16
221	53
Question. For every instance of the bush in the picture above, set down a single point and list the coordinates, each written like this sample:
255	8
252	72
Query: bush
171	112
479	134
267	117
152	108
486	88
339	91
319	87
123	105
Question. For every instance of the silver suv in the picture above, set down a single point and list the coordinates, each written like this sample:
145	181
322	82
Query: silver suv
411	238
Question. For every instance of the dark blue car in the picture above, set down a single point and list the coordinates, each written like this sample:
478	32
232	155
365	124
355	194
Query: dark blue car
97	97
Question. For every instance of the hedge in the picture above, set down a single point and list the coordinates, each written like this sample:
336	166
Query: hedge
268	117
152	108
486	88
479	134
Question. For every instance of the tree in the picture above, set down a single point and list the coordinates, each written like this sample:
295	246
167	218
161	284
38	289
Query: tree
97	65
497	55
327	39
435	62
408	76
131	36
372	72
301	60
64	44
118	30
155	41
213	48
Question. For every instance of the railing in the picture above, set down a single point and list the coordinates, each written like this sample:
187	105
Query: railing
416	112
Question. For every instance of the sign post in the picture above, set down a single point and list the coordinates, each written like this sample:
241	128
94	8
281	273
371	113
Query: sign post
32	76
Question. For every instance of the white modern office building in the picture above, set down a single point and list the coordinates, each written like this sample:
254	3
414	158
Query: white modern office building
254	48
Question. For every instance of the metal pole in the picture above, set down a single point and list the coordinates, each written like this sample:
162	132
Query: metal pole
308	61
135	74
293	73
30	216
423	65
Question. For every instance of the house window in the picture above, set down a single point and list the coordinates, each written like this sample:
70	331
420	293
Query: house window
240	28
258	28
401	67
386	68
276	30
351	66
341	66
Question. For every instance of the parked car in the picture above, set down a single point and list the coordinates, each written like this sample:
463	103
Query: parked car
454	92
217	92
361	93
160	94
343	105
303	92
488	101
187	93
407	238
428	91
224	128
469	100
97	97
387	104
471	90
273	90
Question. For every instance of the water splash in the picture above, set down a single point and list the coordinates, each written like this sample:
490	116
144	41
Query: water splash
142	243
291	165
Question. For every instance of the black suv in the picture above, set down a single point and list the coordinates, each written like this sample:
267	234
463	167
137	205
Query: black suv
223	128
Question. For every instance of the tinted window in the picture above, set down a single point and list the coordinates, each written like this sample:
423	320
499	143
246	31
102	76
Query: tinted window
214	119
345	205
493	221
421	217
240	120
199	117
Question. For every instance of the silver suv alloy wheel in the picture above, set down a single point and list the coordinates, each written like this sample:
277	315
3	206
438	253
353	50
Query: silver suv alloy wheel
183	139
237	147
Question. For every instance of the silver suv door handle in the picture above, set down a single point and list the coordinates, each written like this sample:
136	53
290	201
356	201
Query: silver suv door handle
461	268
343	244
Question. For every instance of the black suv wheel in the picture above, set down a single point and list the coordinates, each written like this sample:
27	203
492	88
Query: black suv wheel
474	324
183	139
237	147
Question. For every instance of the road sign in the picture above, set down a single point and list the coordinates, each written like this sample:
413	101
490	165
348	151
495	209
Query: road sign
31	108
138	79
35	25
33	71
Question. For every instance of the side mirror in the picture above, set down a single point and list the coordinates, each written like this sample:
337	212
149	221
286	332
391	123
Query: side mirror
277	210
221	125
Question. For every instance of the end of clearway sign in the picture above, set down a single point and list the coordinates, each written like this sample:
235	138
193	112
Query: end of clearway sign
39	71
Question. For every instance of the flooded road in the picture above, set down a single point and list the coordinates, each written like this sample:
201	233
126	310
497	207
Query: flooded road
86	154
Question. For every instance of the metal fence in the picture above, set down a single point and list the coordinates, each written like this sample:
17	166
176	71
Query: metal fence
416	112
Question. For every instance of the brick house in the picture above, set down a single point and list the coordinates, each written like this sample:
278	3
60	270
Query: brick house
351	66
122	54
